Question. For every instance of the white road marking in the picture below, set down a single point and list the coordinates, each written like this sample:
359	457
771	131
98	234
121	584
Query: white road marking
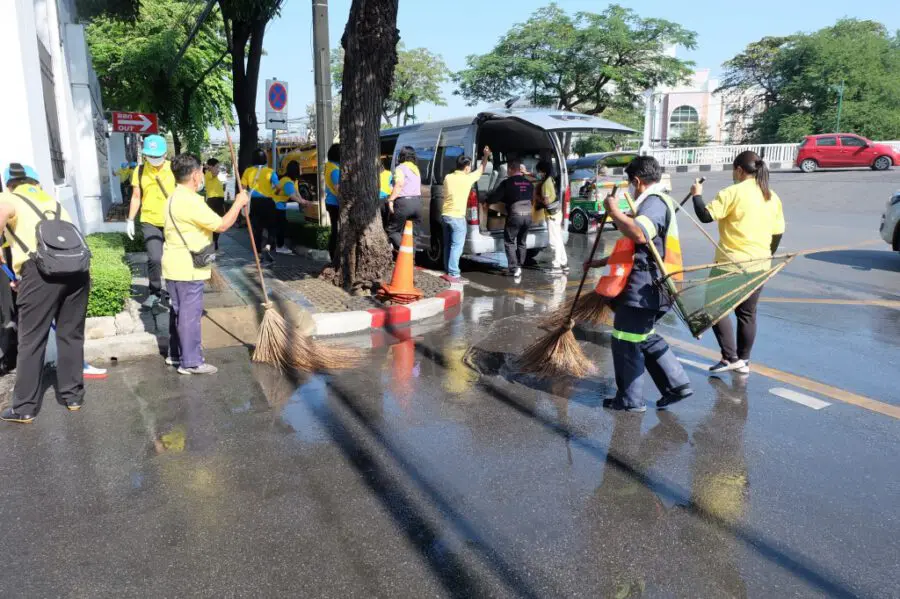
697	365
800	398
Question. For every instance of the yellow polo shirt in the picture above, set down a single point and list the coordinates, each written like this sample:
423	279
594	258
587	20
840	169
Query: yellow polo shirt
214	187
457	186
747	223
197	222
24	223
153	199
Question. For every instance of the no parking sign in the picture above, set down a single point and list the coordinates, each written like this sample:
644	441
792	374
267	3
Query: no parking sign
276	104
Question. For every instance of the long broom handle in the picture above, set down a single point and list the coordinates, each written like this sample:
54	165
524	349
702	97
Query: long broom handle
237	186
699	226
591	257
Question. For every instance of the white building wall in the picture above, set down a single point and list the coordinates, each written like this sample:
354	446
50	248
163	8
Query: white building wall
85	188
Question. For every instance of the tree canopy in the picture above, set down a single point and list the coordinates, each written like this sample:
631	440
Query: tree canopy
788	87
418	77
132	60
586	62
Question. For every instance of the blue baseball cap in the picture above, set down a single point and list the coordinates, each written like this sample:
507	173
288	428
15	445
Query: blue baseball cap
19	171
132	164
155	146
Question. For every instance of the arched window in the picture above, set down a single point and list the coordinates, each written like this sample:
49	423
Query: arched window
681	118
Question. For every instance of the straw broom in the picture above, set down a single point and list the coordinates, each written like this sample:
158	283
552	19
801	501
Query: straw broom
558	352
591	308
276	343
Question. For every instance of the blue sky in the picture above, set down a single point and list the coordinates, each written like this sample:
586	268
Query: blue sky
457	29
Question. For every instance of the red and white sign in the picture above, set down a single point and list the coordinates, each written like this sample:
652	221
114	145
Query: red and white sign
135	122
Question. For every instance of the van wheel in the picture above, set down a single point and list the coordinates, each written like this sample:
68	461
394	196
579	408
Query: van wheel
434	253
578	221
809	165
882	163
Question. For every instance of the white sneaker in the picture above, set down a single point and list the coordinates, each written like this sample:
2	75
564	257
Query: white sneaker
172	361
745	369
202	369
284	250
92	372
723	366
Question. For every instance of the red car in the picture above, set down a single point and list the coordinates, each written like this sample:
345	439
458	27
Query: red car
844	150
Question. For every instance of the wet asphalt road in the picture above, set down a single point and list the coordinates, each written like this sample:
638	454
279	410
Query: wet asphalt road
437	471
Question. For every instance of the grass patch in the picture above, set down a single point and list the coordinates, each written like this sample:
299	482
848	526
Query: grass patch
110	275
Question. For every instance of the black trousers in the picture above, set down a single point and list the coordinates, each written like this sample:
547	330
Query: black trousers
8	323
217	205
263	218
153	243
733	350
407	208
40	299
334	215
514	239
280	226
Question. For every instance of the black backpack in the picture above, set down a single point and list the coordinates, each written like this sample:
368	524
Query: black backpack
61	249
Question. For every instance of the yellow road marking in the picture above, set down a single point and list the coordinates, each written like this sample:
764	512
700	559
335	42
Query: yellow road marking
893	304
798	381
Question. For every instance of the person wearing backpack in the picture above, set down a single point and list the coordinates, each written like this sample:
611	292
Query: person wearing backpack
51	261
152	183
188	255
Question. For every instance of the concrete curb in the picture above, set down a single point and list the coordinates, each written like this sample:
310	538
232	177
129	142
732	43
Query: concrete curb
342	323
135	345
710	168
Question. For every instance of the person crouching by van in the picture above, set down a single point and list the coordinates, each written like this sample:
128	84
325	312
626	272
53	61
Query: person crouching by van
549	201
457	186
517	193
405	201
42	295
189	228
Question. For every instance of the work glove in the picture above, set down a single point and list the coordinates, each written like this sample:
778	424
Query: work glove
129	229
281	205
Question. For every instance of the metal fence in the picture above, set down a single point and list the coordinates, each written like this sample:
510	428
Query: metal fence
782	153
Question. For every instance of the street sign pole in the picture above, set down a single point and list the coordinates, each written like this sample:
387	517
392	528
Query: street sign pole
322	64
274	152
840	106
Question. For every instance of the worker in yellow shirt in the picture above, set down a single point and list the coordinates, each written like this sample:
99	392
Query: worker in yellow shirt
215	191
152	182
124	174
751	223
552	206
261	182
385	185
288	190
189	228
41	297
457	186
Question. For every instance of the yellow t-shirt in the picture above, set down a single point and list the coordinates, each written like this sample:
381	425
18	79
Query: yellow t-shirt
197	222
457	186
384	183
24	223
548	195
153	199
262	185
747	223
124	174
214	187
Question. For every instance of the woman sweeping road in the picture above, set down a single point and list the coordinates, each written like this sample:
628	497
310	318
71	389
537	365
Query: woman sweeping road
751	223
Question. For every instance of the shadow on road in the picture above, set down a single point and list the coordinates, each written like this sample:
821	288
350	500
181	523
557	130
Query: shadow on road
860	259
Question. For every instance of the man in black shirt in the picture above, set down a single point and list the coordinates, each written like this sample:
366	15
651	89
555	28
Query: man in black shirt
517	193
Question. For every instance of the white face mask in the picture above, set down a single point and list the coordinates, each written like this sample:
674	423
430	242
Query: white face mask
156	161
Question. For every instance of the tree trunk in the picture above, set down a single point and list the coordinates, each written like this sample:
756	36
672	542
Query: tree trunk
370	46
176	141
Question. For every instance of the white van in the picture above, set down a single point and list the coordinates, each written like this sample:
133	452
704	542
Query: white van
529	133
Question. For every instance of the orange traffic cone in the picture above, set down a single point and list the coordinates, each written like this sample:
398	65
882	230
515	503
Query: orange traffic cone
402	289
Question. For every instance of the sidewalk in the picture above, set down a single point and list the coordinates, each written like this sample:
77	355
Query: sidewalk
312	306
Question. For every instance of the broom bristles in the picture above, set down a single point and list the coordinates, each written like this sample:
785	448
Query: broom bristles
556	354
277	345
216	281
592	309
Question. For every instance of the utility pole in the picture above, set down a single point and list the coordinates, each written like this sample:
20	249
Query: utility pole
840	106
322	63
648	125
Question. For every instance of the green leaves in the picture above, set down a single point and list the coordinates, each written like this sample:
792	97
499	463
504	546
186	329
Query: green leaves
110	275
788	86
418	77
132	60
587	62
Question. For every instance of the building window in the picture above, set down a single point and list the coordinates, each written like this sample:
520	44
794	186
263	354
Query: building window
57	160
681	118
